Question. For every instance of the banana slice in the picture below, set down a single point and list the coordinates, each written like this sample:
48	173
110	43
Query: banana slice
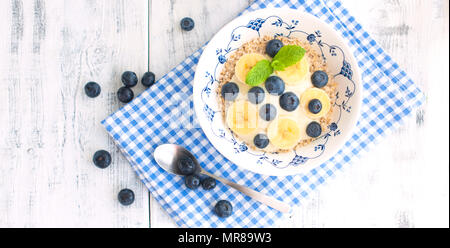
284	133
295	74
242	117
245	64
322	96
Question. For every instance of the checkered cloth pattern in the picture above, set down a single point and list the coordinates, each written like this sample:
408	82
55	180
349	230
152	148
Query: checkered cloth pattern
139	127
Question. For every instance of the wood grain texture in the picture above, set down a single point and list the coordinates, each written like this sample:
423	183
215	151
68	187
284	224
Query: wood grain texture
51	129
403	181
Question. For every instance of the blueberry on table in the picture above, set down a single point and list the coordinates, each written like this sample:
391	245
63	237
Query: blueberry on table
314	129
319	79
256	95
92	89
192	181
208	183
261	141
230	91
275	85
129	79
223	209
148	79
186	166
273	47
125	94
126	197
102	159
289	101
315	106
187	24
268	112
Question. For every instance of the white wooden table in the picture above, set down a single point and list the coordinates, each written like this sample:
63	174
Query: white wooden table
49	129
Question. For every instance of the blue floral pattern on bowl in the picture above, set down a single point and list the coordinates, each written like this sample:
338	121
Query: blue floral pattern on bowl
280	26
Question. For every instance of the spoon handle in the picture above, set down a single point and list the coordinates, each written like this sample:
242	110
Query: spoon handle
269	201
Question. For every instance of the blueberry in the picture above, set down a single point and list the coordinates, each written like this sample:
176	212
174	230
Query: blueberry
192	181
261	141
129	79
256	95
275	85
148	79
125	94
230	91
314	129
289	101
268	112
208	183
319	79
126	197
102	159
315	106
223	209
187	24
92	89
273	47
186	166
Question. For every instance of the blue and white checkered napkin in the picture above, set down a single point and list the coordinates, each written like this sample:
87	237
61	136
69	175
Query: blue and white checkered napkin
139	127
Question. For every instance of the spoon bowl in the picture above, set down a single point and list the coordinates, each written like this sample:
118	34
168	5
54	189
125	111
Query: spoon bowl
168	155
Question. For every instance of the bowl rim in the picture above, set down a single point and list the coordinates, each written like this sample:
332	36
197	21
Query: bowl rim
356	106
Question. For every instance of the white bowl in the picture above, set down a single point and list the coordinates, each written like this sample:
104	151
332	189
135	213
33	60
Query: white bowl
275	22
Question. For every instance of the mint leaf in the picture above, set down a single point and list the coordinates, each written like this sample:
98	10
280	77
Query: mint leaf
277	65
259	73
287	56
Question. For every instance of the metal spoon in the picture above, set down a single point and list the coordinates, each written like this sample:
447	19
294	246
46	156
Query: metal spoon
168	154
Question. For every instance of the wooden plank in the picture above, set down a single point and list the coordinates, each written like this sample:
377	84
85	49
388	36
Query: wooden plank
169	45
51	129
403	181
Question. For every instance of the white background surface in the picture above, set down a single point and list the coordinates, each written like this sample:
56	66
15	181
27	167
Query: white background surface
49	129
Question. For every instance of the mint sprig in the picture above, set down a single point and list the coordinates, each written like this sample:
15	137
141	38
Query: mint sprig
277	65
287	56
259	73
